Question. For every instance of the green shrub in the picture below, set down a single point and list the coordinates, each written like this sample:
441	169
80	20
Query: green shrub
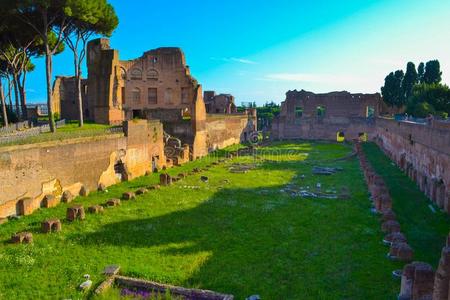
423	109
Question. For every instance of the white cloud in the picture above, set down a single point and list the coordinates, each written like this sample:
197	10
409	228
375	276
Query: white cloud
235	59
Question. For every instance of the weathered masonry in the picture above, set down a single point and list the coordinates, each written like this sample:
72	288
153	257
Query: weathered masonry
29	173
157	85
421	150
325	116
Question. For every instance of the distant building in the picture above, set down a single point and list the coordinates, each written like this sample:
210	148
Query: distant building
219	104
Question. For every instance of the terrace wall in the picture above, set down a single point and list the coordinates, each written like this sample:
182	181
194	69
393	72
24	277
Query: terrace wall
223	130
423	151
29	173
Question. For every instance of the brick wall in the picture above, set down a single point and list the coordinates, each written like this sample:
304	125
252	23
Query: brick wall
33	171
423	152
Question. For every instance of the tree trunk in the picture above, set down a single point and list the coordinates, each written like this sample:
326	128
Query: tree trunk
48	71
23	97
16	95
78	88
3	100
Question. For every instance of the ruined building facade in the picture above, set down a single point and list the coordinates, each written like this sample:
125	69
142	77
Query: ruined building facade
222	103
157	85
324	116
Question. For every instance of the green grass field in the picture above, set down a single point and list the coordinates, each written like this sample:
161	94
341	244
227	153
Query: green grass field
69	131
237	233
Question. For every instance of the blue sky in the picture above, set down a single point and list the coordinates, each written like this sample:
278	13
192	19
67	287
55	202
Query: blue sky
257	50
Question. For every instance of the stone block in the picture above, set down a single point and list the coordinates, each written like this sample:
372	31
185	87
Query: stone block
165	179
26	206
422	287
154	187
111	270
3	220
22	238
113	202
388	215
441	290
52	225
204	179
395	237
50	201
128	196
67	197
390	226
84	191
141	191
101	187
401	251
75	213
95	209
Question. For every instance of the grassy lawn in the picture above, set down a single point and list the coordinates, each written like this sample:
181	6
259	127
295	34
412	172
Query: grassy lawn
426	230
238	233
69	131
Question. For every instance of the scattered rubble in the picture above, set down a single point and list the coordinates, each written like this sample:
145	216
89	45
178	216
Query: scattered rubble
326	170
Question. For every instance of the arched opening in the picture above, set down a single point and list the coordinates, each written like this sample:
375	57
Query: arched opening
119	170
152	74
136	74
123	73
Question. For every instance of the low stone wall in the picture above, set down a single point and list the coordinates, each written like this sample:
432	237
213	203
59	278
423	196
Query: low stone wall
227	129
423	152
30	172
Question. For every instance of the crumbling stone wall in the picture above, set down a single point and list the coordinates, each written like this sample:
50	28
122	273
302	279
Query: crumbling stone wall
321	116
225	130
219	104
423	152
64	99
33	171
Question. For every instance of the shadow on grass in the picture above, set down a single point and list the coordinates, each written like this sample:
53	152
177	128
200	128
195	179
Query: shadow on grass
262	241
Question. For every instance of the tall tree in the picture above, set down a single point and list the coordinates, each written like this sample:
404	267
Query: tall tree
392	91
89	17
45	18
409	80
3	103
432	72
421	72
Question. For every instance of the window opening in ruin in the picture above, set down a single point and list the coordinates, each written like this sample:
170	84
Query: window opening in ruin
155	160
123	74
168	96
370	112
298	112
119	170
152	74
152	95
136	95
185	95
136	74
320	111
137	114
